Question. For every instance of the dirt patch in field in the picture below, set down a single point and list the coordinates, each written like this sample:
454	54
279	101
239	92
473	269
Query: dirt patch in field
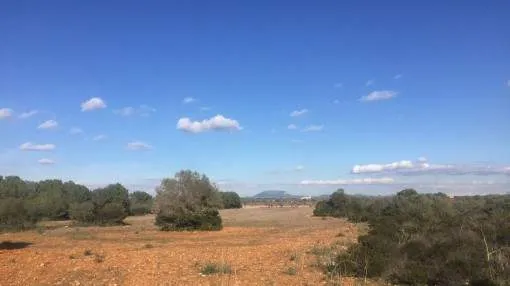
261	246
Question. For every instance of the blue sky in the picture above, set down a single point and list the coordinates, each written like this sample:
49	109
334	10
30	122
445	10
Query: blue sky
370	96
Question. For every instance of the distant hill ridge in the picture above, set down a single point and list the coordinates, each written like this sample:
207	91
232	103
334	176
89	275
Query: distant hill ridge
273	194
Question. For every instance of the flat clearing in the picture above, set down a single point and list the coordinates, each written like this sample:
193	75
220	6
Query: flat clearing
262	246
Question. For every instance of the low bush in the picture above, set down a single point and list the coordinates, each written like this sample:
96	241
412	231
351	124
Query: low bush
215	268
231	200
426	239
14	215
83	212
111	214
208	219
291	270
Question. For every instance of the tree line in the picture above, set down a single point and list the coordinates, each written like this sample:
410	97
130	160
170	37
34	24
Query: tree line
425	239
188	195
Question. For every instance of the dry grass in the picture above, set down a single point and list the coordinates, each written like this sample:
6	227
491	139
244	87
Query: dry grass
260	246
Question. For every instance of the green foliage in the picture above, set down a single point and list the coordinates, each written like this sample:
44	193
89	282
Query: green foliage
215	268
291	271
83	212
114	193
23	203
140	203
110	214
207	219
188	201
418	239
355	208
14	215
231	200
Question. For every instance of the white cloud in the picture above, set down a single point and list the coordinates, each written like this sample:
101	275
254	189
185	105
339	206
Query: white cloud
336	101
299	168
397	76
93	103
374	168
29	146
369	82
292	127
28	114
48	124
99	137
313	128
75	131
45	161
216	123
138	145
205	108
296	113
339	85
379	95
143	110
422	167
364	181
5	113
188	99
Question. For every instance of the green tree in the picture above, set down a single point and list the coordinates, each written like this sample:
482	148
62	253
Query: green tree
111	204
231	200
14	215
140	203
188	201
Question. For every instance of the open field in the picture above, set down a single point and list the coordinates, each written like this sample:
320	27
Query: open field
261	246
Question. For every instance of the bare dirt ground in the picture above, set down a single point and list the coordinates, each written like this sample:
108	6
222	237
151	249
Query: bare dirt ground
262	246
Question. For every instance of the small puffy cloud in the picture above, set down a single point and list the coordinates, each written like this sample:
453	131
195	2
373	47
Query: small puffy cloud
29	146
188	99
28	114
397	76
205	108
138	145
48	124
508	83
99	137
92	104
378	95
336	101
297	113
216	123
313	128
5	113
75	131
299	168
369	82
45	161
292	127
364	181
143	110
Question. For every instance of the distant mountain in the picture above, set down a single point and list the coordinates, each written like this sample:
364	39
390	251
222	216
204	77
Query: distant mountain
273	194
